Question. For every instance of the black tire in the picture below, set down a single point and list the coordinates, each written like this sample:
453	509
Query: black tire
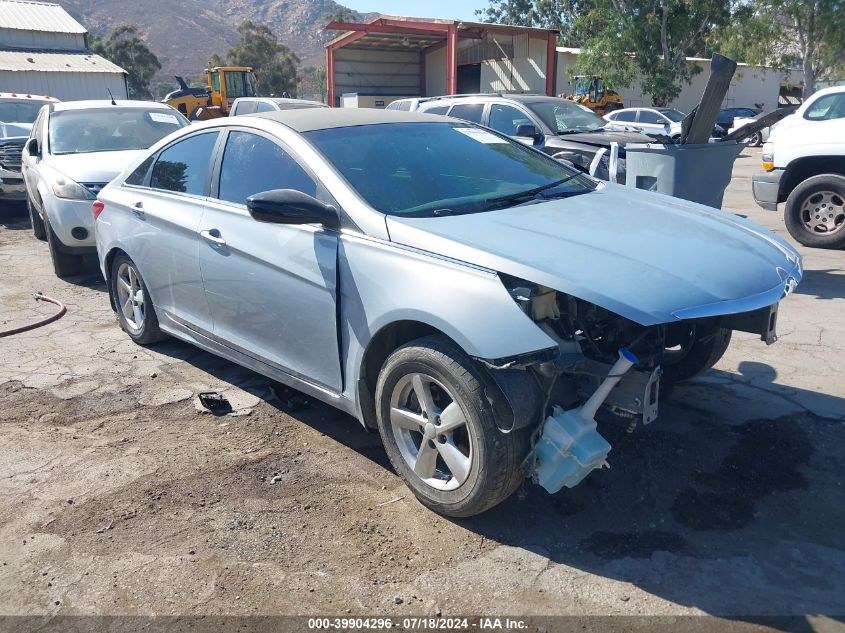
64	264
701	347
496	458
38	228
795	214
756	139
149	331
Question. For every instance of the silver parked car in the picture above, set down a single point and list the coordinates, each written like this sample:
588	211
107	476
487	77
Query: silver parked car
473	299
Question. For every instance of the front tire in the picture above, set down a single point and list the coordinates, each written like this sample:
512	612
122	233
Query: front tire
815	212
64	264
38	228
694	349
135	310
439	430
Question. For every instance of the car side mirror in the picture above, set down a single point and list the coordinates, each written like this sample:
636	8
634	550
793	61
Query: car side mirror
287	206
32	147
527	130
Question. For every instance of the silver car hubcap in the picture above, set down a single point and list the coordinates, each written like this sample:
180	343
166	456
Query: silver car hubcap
823	212
130	297
431	431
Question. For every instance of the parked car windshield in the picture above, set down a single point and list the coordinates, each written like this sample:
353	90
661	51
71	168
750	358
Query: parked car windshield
673	115
19	111
441	168
110	129
564	117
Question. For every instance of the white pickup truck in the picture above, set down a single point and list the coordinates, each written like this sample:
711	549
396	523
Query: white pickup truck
804	166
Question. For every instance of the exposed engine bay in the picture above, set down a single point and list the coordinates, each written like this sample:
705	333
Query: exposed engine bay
605	361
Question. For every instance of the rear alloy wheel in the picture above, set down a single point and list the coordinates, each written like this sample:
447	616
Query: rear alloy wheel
692	349
135	311
64	264
815	212
756	139
38	228
439	430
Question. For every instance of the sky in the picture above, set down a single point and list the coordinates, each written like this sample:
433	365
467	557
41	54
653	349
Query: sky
455	9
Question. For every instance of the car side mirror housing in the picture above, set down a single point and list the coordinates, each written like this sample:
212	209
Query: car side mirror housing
32	147
287	206
527	130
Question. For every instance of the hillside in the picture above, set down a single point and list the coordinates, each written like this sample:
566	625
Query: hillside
184	33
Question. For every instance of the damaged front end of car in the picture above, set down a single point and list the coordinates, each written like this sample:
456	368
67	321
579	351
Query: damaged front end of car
602	361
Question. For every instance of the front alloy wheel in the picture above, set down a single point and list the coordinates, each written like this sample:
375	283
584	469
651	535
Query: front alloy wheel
815	212
431	431
437	419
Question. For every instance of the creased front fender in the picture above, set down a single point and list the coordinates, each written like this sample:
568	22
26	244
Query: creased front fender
382	283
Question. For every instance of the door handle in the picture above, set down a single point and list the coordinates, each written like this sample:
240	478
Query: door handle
214	240
138	210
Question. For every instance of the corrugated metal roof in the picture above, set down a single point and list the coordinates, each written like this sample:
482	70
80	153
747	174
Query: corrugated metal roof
56	62
25	15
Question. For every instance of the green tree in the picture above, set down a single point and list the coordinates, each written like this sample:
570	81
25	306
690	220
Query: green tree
550	14
125	47
273	63
790	33
316	76
649	39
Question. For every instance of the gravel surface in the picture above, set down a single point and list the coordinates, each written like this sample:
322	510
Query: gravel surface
117	496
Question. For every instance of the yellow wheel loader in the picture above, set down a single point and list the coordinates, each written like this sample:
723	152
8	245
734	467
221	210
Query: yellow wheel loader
225	84
590	91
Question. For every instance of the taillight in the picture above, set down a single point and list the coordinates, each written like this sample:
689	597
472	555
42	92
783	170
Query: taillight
97	208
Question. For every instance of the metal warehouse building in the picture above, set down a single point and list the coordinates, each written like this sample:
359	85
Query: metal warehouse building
44	51
389	58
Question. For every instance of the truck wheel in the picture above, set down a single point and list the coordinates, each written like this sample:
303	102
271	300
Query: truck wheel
135	310
439	430
691	349
64	264
38	229
815	212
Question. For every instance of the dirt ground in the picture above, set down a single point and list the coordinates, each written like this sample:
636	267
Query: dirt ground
117	497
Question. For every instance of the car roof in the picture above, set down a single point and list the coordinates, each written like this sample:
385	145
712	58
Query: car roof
107	103
27	97
309	119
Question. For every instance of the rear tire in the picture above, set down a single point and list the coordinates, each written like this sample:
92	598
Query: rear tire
135	311
815	212
756	139
38	228
64	264
446	444
700	347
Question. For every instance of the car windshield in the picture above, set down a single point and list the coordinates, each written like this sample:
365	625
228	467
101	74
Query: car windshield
442	168
19	111
673	115
565	117
110	129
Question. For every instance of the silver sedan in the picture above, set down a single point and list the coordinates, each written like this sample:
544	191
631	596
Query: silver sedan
474	300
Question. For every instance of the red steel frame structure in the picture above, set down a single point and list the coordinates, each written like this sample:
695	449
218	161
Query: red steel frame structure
449	30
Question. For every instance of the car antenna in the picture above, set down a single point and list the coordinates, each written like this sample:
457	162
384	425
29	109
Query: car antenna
112	97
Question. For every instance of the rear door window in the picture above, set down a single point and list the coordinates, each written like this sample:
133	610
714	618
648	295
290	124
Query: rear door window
184	166
263	106
253	163
628	115
436	110
468	112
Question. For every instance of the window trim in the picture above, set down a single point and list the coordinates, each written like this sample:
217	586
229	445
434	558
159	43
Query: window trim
145	184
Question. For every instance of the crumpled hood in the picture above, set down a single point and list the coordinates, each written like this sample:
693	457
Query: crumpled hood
94	166
647	257
605	138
